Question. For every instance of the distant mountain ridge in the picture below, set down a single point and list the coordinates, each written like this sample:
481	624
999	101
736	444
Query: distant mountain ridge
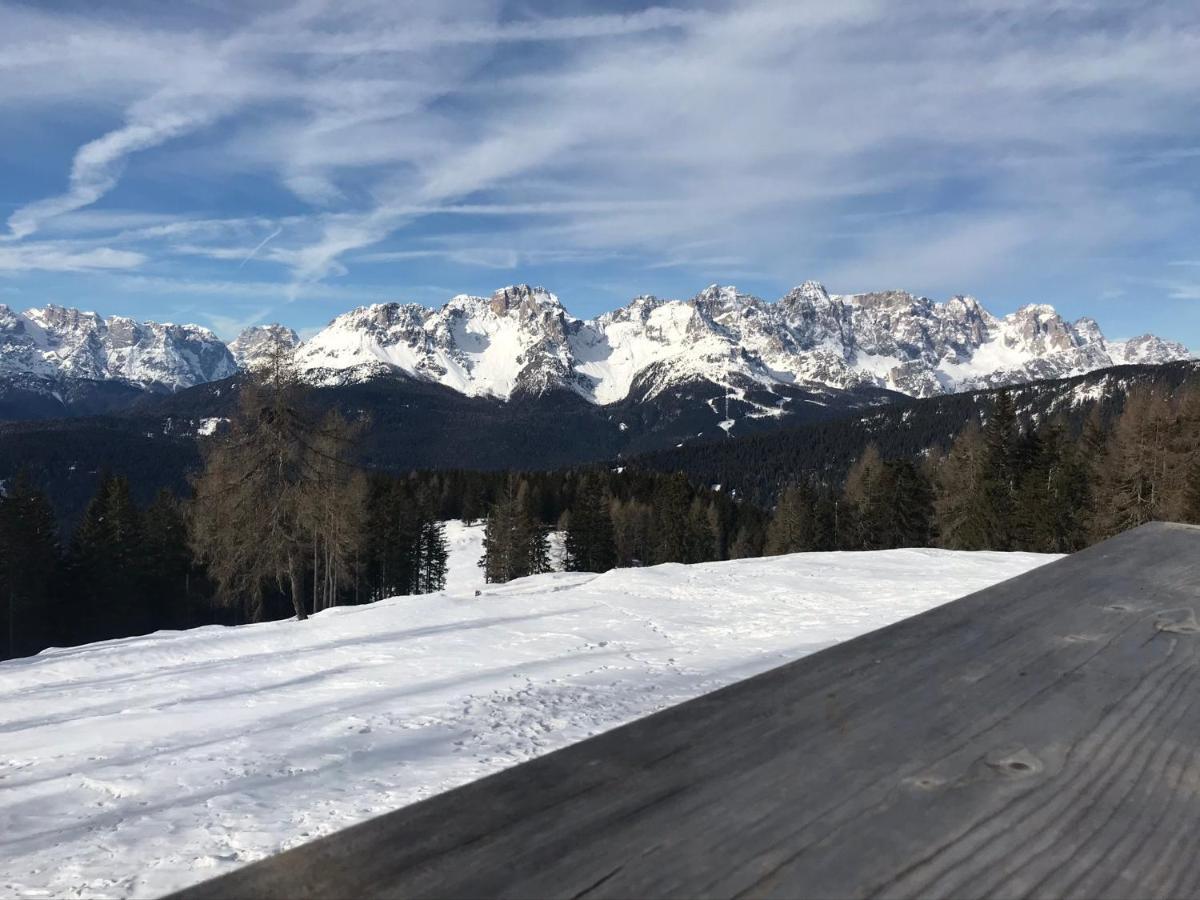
57	342
521	341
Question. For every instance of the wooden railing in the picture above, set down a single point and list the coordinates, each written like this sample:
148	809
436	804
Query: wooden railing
1039	738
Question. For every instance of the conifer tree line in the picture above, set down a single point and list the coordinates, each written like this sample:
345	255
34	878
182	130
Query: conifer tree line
1008	485
758	467
130	568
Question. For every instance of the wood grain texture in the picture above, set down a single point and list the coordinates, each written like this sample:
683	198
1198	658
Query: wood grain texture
1040	738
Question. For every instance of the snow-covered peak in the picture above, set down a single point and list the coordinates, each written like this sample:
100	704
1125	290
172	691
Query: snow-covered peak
1148	348
722	296
254	343
61	342
1087	329
812	291
1039	329
512	342
521	298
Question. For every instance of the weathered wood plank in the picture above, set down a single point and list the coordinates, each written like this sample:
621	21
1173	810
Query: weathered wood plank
1039	738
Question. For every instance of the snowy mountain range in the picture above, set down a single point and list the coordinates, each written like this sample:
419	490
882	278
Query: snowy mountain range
59	343
521	341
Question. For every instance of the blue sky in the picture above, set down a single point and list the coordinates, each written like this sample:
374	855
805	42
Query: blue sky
229	163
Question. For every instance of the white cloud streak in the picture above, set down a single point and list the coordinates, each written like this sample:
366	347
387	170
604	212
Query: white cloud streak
753	135
96	167
45	257
253	253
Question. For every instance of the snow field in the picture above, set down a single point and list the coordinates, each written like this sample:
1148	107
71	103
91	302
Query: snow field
137	766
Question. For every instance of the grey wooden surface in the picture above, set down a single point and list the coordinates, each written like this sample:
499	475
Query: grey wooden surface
1040	738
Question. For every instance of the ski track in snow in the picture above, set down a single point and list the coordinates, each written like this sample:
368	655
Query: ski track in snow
138	766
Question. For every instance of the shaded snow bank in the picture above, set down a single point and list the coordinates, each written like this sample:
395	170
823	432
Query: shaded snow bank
136	766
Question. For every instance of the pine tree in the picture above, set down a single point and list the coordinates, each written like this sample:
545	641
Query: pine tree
473	506
966	518
825	511
863	514
906	513
289	481
515	543
793	526
1182	455
107	564
999	478
1133	477
673	531
722	525
1190	510
633	532
1051	495
173	586
700	542
589	542
532	535
387	563
499	559
432	565
30	572
744	545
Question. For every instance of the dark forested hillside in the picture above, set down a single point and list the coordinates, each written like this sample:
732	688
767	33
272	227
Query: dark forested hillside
417	425
759	467
410	425
66	458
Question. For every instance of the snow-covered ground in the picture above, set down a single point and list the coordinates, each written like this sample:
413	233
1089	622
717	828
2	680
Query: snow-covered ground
464	542
137	766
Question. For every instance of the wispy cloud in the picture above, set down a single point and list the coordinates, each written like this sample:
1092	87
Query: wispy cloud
246	290
229	327
97	165
1184	291
58	258
270	237
872	143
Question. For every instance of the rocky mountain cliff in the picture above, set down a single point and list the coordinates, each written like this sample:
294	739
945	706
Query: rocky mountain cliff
56	343
252	346
761	355
522	341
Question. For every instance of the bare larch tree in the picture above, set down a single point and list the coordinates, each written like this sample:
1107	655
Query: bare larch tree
279	496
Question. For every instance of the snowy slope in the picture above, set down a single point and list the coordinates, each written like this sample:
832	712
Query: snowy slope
136	766
464	544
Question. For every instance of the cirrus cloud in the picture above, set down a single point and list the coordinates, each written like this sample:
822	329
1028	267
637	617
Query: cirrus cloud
989	145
